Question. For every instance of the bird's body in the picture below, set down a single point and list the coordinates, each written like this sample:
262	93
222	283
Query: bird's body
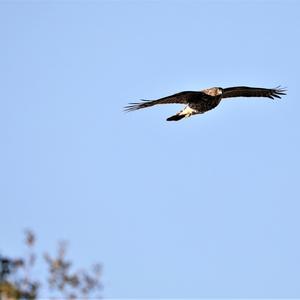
205	100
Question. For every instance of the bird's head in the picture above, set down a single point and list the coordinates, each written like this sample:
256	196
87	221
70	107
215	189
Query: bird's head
214	91
219	91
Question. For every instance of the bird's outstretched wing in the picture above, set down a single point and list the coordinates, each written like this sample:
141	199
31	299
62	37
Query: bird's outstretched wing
180	98
244	91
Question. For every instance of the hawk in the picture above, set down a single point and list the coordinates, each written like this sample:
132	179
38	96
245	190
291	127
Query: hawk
199	102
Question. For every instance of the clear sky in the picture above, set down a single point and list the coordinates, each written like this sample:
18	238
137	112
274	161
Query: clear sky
205	207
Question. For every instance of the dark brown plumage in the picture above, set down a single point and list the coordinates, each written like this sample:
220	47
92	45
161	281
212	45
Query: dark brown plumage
202	101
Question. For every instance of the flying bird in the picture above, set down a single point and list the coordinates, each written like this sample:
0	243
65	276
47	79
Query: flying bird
199	102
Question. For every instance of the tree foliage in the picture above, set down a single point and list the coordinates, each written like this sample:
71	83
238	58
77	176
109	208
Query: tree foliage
17	281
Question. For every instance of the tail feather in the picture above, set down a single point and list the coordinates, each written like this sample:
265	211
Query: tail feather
176	117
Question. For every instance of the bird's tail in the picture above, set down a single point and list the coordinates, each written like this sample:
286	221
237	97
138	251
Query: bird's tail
185	113
176	117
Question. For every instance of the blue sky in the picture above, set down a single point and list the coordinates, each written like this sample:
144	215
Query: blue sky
205	207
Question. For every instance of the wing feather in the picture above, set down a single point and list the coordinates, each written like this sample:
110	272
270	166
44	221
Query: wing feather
244	91
179	98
